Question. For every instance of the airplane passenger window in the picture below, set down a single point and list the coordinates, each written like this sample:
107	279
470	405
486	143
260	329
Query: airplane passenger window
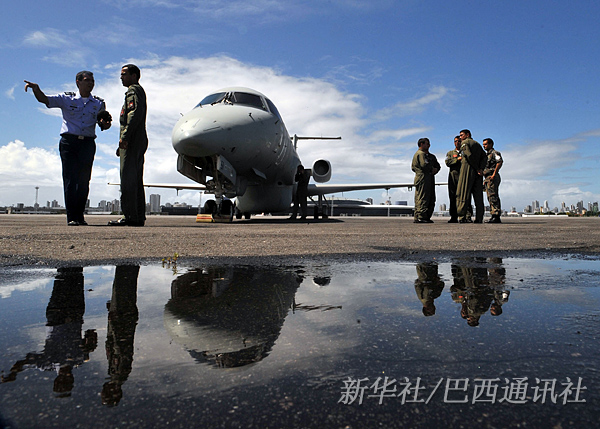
248	99
272	108
212	99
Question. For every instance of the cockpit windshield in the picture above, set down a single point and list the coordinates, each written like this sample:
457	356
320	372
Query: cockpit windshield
248	100
212	99
244	98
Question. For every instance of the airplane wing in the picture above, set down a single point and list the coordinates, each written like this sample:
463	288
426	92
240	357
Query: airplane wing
177	186
322	189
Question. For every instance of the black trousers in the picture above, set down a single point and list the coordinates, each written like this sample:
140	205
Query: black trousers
77	156
133	197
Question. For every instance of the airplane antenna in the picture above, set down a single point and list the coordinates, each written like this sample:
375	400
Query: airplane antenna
296	138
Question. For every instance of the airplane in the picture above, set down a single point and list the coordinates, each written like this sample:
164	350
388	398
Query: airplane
234	144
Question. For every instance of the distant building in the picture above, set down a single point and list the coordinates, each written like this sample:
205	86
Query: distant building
155	203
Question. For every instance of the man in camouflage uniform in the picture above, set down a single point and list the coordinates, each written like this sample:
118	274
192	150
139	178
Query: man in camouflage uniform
133	143
426	166
492	179
470	181
453	161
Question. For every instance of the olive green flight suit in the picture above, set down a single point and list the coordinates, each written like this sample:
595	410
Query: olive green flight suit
423	165
470	183
133	131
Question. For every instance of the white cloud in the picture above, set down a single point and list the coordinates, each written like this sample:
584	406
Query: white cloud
309	106
28	166
22	169
436	96
24	286
49	38
10	93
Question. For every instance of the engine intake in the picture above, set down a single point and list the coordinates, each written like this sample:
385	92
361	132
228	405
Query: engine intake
321	171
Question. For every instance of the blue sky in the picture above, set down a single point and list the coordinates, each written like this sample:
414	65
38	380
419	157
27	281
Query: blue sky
380	74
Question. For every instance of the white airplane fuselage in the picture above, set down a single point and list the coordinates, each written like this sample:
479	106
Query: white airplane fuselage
238	147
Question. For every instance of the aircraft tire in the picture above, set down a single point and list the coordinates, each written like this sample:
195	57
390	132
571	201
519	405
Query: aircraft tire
210	207
227	208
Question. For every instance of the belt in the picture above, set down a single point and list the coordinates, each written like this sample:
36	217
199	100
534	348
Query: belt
75	136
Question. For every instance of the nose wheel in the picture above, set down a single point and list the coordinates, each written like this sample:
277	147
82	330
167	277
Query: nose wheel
223	211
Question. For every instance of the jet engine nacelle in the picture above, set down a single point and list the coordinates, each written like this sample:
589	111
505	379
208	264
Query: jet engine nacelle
321	171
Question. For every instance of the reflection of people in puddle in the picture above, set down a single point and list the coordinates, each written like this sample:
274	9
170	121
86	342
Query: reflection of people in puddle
64	348
497	277
478	294
122	321
428	286
478	289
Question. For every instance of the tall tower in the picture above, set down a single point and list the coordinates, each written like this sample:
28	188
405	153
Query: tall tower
35	206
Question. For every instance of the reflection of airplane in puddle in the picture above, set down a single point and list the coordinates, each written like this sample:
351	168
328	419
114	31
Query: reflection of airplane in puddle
230	316
236	145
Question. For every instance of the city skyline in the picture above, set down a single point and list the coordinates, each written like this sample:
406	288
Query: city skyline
534	207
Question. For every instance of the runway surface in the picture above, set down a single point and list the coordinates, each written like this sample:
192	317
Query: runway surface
47	240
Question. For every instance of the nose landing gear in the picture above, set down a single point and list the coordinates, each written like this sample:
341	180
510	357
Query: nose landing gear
222	211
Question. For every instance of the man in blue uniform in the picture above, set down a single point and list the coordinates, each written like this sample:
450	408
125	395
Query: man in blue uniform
77	145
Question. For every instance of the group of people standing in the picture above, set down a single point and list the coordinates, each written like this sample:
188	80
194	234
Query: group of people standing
473	169
81	113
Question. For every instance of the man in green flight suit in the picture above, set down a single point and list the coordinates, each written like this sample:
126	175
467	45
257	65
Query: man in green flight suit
453	162
426	166
133	143
492	179
470	180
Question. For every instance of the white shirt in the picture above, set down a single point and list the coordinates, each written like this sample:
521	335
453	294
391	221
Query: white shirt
79	114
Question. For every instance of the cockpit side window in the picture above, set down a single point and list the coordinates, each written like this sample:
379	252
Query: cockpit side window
212	99
272	108
248	99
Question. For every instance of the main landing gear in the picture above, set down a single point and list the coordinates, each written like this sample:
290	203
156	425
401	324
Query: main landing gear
320	208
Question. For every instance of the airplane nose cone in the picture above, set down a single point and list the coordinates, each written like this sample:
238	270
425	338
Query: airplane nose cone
193	135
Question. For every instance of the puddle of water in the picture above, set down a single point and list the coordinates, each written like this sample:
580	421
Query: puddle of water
360	344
